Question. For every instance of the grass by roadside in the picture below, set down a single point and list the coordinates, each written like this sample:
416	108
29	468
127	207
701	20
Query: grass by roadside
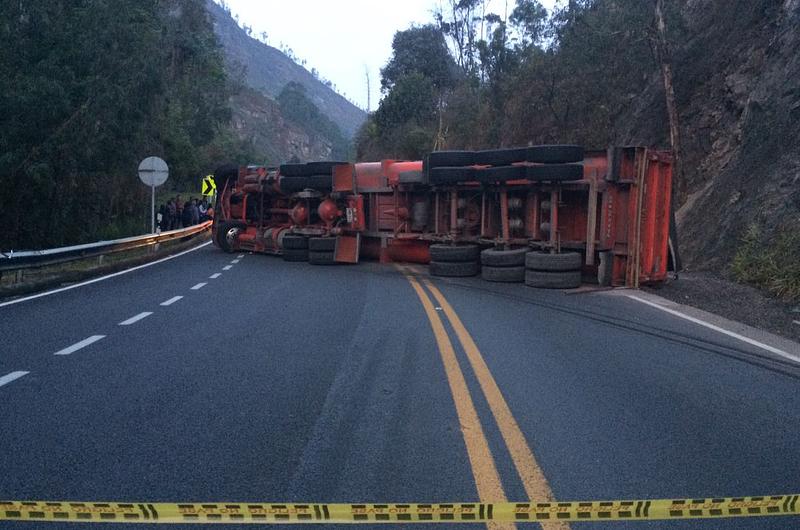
772	265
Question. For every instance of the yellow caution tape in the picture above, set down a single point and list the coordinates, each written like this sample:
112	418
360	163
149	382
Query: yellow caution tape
271	513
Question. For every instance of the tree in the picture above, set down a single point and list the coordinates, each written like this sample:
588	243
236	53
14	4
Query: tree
665	61
419	50
529	19
88	88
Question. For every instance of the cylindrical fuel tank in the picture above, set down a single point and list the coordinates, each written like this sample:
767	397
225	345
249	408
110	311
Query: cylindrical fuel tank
328	211
299	214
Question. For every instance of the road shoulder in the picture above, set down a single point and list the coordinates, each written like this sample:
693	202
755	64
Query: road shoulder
735	301
725	326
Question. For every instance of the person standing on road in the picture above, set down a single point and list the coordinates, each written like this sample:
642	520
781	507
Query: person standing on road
172	214
186	215
162	218
195	212
178	211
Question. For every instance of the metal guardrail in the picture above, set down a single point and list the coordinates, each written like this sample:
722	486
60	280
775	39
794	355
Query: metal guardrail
13	261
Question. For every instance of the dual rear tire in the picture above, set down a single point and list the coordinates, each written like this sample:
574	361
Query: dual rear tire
456	261
553	271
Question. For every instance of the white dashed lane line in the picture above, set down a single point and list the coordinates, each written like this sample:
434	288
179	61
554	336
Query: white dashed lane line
171	300
78	345
4	380
235	261
135	319
215	276
240	256
101	278
227	267
199	286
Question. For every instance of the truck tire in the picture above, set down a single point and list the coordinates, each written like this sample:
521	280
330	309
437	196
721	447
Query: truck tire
454	269
289	185
553	280
293	170
320	182
320	258
450	175
455	253
500	174
543	261
322	244
554	172
295	254
412	177
223	173
291	242
500	157
503	274
450	159
504	258
227	233
322	168
554	154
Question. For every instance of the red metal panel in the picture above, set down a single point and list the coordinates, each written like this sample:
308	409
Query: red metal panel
347	249
655	220
384	212
370	175
393	168
343	177
572	215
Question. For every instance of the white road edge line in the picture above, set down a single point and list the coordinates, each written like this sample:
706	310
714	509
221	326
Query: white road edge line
215	276
78	345
171	301
708	325
199	286
11	377
136	318
235	261
101	278
227	267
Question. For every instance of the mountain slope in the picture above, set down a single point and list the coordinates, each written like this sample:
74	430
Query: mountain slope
740	120
269	70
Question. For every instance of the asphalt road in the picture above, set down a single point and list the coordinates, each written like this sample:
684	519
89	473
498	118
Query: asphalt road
276	381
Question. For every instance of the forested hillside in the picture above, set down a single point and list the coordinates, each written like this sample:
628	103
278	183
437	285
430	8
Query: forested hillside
269	70
591	73
87	89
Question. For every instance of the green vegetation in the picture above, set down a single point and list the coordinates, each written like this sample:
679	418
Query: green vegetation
298	109
472	79
773	264
90	87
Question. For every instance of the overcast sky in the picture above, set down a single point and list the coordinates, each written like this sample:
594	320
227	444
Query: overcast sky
341	38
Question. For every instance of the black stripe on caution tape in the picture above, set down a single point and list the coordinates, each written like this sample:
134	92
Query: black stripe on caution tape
255	513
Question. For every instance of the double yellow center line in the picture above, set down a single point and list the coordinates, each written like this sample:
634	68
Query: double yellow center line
484	470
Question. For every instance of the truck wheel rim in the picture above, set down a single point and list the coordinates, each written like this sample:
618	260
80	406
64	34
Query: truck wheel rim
230	235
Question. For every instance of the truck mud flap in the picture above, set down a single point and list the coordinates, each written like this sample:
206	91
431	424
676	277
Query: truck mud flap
347	249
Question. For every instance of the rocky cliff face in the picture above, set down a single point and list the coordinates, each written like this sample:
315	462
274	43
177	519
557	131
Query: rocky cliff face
737	81
257	120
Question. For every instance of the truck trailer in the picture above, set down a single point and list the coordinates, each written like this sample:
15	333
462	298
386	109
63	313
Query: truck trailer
549	215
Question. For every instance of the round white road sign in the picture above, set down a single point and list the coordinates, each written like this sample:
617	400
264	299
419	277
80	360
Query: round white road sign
153	171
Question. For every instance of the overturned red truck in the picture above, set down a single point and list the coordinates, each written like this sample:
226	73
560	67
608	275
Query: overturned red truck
549	215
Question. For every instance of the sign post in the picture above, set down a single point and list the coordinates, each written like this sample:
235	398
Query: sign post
154	172
209	187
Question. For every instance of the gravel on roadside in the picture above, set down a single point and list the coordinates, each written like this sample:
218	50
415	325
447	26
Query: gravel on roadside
735	301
